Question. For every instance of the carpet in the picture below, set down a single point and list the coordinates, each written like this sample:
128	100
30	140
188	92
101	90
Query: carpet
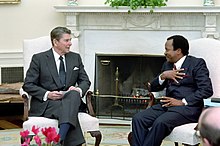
111	136
114	135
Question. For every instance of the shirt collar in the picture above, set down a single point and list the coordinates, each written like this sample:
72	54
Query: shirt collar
56	55
179	63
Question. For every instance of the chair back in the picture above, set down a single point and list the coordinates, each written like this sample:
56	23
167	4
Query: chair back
37	45
209	50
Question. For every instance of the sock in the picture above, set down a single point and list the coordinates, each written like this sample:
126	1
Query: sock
64	127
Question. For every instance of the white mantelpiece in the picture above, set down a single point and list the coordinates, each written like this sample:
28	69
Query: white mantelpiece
106	30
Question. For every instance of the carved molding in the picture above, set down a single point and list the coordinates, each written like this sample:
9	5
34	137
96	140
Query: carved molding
79	18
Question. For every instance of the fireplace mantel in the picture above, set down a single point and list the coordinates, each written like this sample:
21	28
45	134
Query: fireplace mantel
106	30
206	15
108	9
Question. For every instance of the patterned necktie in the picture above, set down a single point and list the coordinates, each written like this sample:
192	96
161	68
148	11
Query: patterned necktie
62	73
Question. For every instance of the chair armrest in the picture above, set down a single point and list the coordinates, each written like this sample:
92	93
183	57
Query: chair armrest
152	100
151	95
25	97
89	103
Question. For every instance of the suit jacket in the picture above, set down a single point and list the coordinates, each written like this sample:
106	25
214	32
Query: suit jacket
42	76
194	87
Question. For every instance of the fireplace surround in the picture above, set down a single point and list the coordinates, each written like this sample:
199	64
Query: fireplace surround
105	31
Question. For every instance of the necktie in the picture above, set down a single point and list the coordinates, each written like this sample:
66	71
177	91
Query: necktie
174	66
62	73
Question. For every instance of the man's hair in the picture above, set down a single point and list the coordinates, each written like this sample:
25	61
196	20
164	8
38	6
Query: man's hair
180	42
58	32
208	131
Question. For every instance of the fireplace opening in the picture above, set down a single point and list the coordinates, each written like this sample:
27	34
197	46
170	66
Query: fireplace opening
121	77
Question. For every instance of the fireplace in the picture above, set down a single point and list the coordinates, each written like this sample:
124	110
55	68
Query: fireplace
125	71
104	31
123	76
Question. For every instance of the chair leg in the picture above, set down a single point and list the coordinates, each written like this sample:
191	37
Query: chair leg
176	143
130	138
97	135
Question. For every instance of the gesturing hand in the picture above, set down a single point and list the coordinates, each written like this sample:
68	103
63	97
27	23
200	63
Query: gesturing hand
168	101
173	74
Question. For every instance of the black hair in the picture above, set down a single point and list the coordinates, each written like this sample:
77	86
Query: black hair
180	42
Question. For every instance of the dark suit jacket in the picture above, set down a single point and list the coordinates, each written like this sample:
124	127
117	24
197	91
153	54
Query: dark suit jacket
194	87
42	76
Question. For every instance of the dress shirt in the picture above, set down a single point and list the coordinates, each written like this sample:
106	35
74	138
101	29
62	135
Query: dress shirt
178	65
57	61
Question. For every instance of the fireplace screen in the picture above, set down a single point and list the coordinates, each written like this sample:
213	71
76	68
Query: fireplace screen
119	79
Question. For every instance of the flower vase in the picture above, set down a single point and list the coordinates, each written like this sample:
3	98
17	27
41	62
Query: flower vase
72	3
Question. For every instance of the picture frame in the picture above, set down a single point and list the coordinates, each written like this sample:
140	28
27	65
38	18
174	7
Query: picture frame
10	1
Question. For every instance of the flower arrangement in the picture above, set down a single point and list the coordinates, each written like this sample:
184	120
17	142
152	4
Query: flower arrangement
135	4
51	137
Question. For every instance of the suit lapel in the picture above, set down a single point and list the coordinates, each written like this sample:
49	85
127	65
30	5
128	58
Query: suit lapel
52	68
185	65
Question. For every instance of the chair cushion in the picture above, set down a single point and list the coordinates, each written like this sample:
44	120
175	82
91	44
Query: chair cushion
184	134
87	122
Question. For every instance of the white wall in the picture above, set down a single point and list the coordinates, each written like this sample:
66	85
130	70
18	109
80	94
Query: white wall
34	18
29	19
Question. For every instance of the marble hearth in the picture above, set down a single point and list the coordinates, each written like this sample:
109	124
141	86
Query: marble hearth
105	30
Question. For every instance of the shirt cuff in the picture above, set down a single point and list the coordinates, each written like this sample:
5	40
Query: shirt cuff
160	80
184	101
45	96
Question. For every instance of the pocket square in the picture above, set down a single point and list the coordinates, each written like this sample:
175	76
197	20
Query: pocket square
75	68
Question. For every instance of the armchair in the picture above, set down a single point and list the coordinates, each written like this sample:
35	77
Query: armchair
87	120
209	50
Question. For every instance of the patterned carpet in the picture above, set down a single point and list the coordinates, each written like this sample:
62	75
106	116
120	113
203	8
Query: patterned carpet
112	136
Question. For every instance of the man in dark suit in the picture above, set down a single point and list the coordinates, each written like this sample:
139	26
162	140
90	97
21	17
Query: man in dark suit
186	81
57	84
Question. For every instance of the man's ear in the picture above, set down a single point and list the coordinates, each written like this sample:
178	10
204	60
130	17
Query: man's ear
179	51
206	142
55	42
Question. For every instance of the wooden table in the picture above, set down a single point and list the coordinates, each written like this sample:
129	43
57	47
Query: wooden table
9	93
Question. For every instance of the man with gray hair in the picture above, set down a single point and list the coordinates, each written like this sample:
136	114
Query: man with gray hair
209	126
56	80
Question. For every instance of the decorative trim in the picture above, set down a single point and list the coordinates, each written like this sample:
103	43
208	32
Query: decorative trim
164	18
11	59
108	9
10	1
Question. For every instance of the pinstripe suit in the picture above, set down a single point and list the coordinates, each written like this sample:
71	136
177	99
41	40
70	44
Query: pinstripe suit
194	87
42	76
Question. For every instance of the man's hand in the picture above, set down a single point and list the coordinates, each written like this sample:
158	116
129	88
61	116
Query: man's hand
74	88
168	102
55	95
173	74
